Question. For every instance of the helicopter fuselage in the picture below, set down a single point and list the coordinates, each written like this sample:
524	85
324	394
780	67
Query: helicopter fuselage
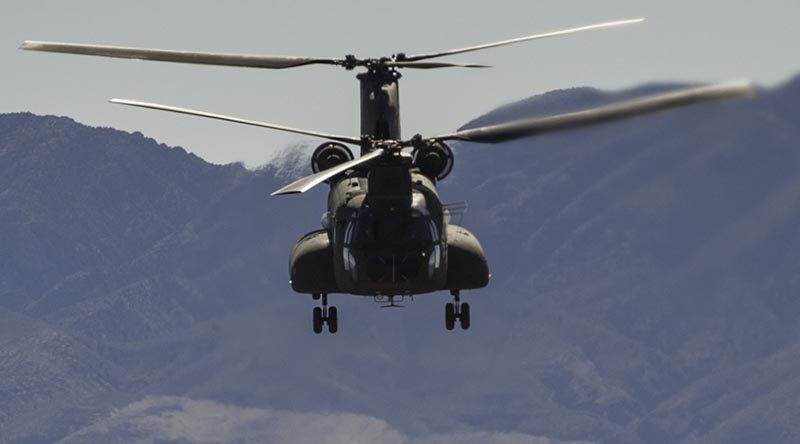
387	240
385	230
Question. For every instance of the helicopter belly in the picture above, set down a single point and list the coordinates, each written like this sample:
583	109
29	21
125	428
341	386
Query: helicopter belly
467	267
311	264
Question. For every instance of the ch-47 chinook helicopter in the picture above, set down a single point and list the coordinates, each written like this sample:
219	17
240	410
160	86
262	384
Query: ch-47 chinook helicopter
386	232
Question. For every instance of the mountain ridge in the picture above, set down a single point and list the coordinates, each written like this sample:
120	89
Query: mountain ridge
645	286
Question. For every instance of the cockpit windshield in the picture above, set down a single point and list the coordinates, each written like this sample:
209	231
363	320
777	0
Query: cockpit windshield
388	249
363	229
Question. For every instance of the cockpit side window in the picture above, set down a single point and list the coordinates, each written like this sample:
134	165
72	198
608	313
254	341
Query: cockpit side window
348	233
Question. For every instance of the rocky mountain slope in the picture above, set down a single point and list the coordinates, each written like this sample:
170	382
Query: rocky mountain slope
645	291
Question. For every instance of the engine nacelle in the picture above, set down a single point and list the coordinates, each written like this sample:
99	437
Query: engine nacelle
434	160
328	155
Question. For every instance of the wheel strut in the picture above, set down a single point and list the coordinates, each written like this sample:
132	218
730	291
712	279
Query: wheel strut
456	311
325	315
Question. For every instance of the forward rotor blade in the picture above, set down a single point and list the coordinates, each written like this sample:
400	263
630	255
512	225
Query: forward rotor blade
161	55
308	182
432	65
343	139
616	111
413	58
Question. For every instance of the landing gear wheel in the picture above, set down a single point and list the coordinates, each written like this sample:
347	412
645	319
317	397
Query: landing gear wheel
456	310
325	315
317	320
332	320
449	316
463	316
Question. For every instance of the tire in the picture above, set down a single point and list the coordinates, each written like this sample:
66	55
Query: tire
464	316
315	296
449	316
333	320
317	320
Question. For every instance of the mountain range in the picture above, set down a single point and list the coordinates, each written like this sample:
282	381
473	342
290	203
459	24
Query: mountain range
645	290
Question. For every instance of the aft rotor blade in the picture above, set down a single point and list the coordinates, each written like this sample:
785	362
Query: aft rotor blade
308	182
433	65
174	109
413	58
616	111
161	55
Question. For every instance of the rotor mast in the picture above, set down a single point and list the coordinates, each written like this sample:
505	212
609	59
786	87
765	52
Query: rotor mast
390	183
380	104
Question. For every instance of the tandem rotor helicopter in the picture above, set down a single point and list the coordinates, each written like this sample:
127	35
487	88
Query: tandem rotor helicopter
386	232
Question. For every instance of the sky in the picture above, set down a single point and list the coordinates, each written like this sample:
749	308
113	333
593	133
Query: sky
682	40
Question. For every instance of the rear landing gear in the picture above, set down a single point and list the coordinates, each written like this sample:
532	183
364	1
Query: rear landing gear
456	311
325	315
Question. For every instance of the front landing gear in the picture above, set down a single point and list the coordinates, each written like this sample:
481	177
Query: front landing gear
456	311
325	315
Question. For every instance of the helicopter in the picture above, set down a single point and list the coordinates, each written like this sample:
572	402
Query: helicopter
385	233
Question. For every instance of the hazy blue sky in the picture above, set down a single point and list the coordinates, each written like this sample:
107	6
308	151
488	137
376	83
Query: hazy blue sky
682	40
